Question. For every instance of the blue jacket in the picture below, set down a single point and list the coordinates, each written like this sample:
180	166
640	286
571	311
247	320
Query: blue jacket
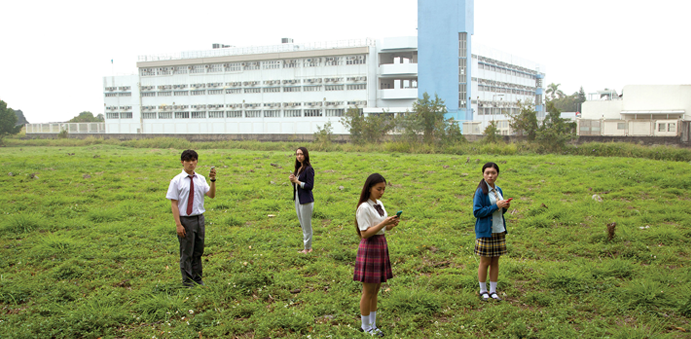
482	210
305	194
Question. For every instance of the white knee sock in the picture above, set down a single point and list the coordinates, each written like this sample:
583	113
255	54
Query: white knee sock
492	287
373	319
483	287
365	323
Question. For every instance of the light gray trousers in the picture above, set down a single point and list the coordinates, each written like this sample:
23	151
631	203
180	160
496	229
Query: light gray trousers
304	212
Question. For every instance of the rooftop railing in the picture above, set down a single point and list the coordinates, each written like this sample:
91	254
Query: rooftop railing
288	47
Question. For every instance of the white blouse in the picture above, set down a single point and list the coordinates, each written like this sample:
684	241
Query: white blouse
367	216
498	215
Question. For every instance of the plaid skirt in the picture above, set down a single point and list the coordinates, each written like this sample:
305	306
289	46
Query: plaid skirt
491	247
372	264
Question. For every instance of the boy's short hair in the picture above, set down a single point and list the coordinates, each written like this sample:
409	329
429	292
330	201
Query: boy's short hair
189	155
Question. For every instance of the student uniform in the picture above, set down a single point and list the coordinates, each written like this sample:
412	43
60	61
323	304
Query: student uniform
372	264
304	204
490	226
192	245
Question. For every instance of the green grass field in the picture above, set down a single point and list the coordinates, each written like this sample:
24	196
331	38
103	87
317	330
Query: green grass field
88	247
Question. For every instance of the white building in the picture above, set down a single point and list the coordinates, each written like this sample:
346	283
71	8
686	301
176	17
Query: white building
296	88
642	110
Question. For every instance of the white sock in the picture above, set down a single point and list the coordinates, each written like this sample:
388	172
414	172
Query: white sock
365	323
373	318
492	287
483	287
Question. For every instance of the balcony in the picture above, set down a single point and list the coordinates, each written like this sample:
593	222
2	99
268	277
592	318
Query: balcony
397	93
390	70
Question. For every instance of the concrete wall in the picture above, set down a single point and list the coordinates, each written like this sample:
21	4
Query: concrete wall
602	109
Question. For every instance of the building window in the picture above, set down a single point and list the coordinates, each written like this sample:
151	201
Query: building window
181	93
147	71
180	70
165	115
215	114
335	112
356	60
112	115
149	94
462	45
274	64
109	95
313	112
313	88
248	66
661	127
333	87
234	67
357	87
126	115
272	114
312	62
621	125
272	90
182	115
292	113
291	63
149	115
126	94
672	127
462	96
253	90
196	69
199	115
215	91
233	90
165	94
215	68
233	114
332	61
198	92
253	114
291	89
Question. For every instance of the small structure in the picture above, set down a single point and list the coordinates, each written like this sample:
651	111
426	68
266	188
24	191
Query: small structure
641	111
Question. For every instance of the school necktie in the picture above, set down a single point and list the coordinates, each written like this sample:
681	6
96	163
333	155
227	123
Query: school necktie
379	210
190	199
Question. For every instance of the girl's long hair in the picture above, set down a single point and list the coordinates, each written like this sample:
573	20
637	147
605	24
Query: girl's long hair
483	185
372	180
305	162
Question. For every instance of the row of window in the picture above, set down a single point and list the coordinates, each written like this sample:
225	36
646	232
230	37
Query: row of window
288	113
320	88
497	110
505	70
121	94
497	89
255	65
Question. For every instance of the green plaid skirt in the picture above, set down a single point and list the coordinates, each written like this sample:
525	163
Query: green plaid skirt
491	247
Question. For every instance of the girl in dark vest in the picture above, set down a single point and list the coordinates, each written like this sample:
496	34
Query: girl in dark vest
303	182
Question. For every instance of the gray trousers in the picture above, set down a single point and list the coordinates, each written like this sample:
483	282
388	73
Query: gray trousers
304	212
191	249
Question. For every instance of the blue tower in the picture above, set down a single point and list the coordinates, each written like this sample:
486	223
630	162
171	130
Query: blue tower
445	28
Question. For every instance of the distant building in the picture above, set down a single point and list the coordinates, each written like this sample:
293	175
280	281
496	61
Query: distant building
641	110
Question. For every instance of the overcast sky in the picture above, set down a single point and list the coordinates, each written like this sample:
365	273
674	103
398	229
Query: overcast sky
56	53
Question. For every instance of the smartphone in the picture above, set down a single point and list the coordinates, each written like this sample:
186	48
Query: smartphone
398	214
509	200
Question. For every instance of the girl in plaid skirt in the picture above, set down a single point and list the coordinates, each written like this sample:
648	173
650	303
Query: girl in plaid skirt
489	207
372	266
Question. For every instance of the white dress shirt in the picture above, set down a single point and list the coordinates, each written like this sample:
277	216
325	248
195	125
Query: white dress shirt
367	216
179	190
498	215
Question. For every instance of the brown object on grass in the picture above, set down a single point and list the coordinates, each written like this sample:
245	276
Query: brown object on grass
610	230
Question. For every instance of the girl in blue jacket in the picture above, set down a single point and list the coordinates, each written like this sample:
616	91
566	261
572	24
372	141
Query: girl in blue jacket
489	207
303	183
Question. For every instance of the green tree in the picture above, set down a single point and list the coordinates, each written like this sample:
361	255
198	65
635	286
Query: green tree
555	132
491	135
428	118
524	122
553	92
21	120
370	128
324	134
8	121
87	116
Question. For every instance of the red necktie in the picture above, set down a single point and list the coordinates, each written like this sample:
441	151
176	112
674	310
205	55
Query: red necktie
190	199
379	210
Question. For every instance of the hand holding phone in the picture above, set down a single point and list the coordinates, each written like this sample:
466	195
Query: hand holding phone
398	214
509	200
